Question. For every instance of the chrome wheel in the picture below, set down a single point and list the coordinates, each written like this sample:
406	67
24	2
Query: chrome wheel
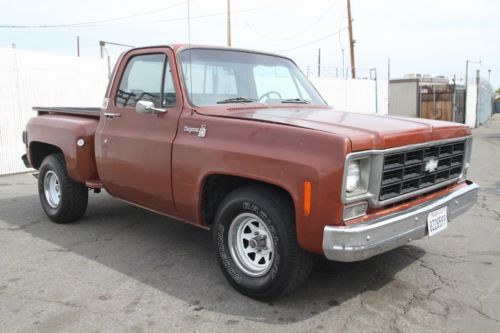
52	189
251	244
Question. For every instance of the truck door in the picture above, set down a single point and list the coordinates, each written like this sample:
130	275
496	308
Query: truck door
133	150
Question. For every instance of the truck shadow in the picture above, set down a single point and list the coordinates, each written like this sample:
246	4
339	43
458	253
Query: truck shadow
179	260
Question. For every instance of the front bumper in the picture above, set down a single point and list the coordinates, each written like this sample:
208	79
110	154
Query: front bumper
364	240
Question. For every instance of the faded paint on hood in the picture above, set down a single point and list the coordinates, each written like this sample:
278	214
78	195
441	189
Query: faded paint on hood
364	131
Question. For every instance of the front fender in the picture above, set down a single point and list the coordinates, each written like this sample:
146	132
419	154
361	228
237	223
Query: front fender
283	156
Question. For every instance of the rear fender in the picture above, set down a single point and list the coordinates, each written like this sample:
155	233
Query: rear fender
52	133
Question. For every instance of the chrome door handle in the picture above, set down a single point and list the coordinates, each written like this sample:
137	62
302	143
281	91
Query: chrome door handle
111	115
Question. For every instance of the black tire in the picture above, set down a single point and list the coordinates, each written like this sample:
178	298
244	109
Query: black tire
290	265
73	198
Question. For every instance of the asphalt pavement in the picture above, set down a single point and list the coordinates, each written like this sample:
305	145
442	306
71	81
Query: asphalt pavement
121	268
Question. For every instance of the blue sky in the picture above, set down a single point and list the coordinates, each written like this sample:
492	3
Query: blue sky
434	37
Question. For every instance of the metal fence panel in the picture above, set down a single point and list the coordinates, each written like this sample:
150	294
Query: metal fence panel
484	102
354	95
30	79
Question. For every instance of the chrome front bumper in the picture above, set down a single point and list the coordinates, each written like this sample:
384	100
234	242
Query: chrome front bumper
364	240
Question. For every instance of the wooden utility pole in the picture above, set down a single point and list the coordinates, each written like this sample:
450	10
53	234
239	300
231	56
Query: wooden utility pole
319	62
77	46
229	23
478	88
388	69
351	40
344	76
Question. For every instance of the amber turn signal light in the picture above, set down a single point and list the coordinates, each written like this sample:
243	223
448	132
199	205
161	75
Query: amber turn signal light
307	198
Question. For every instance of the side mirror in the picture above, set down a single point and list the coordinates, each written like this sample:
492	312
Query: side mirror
148	107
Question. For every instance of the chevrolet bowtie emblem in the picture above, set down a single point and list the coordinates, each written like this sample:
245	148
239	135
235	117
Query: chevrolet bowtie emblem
431	165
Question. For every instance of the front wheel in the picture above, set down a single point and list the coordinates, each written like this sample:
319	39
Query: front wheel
62	199
256	243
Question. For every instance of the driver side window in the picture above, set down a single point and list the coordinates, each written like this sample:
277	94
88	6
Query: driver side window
142	80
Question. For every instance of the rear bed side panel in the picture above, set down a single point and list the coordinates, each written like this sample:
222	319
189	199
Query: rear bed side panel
63	132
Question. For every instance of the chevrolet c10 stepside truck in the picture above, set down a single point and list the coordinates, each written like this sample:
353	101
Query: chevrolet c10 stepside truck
241	143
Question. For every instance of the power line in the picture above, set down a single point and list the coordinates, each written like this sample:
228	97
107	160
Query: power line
313	41
322	16
65	25
182	18
203	16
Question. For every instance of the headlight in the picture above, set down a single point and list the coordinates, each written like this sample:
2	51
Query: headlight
357	175
353	176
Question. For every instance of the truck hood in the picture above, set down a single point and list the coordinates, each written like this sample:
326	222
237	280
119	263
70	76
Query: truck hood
365	131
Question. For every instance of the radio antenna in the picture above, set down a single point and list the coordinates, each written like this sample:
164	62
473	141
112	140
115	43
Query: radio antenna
189	50
189	24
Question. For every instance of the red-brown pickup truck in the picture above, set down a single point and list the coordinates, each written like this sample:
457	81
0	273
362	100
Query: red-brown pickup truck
241	143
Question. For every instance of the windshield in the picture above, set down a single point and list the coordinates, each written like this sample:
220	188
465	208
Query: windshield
225	76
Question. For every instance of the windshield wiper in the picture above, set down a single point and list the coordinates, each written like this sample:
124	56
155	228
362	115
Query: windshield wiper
295	100
237	100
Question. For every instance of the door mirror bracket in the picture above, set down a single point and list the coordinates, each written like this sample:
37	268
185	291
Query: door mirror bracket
148	107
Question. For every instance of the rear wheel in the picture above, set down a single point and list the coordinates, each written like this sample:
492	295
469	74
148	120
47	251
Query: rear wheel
62	199
256	243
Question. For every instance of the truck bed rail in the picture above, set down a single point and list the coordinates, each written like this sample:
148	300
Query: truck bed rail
87	111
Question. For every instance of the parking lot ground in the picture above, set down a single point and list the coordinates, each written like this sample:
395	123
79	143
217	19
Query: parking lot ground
121	268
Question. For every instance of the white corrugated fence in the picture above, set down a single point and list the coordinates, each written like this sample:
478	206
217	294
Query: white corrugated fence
354	95
30	79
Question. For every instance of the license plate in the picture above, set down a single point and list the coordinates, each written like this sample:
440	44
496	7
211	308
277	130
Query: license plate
437	220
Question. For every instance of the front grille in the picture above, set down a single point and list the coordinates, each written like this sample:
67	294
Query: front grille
405	171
